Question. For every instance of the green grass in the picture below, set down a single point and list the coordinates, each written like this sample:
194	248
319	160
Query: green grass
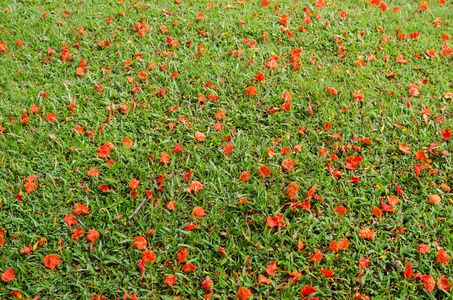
62	157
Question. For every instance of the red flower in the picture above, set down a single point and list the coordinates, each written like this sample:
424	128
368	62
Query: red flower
446	134
306	290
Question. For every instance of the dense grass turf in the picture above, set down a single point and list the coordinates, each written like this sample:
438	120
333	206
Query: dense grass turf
345	142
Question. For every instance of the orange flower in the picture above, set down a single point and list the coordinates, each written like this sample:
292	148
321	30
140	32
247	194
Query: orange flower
98	88
312	190
445	187
198	212
188	268
408	271
428	281
431	53
171	205
316	257
393	200
404	148
142	75
251	91
200	16
284	19
79	71
243	293
50	118
206	284
164	158
79	129
132	296
191	226
418	169
306	290
288	164
92	235
332	91
70	220
434	198
360	63
443	283
363	262
78	232
334	247
148	256
422	248
52	261
327	273
358	96
287	96
292	190
260	76
424	5
195	186
286	106
271	268
442	257
8	275
220	114
228	149
24	119
344	244
244	176
366	233
16	294
182	255
174	75
376	212
264	171
263	279
93	172
270	152
152	65
275	221
104	150
199	136
340	210
241	200
355	179
170	280
300	245
104	187
133	184
30	186
127	142
139	242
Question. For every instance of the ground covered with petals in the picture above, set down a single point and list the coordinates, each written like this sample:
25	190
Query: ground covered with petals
245	149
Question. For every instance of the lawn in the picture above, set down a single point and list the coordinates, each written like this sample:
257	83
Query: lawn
227	150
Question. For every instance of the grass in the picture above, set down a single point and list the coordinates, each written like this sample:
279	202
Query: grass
61	157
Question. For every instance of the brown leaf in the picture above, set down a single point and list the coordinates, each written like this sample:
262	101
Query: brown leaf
258	246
